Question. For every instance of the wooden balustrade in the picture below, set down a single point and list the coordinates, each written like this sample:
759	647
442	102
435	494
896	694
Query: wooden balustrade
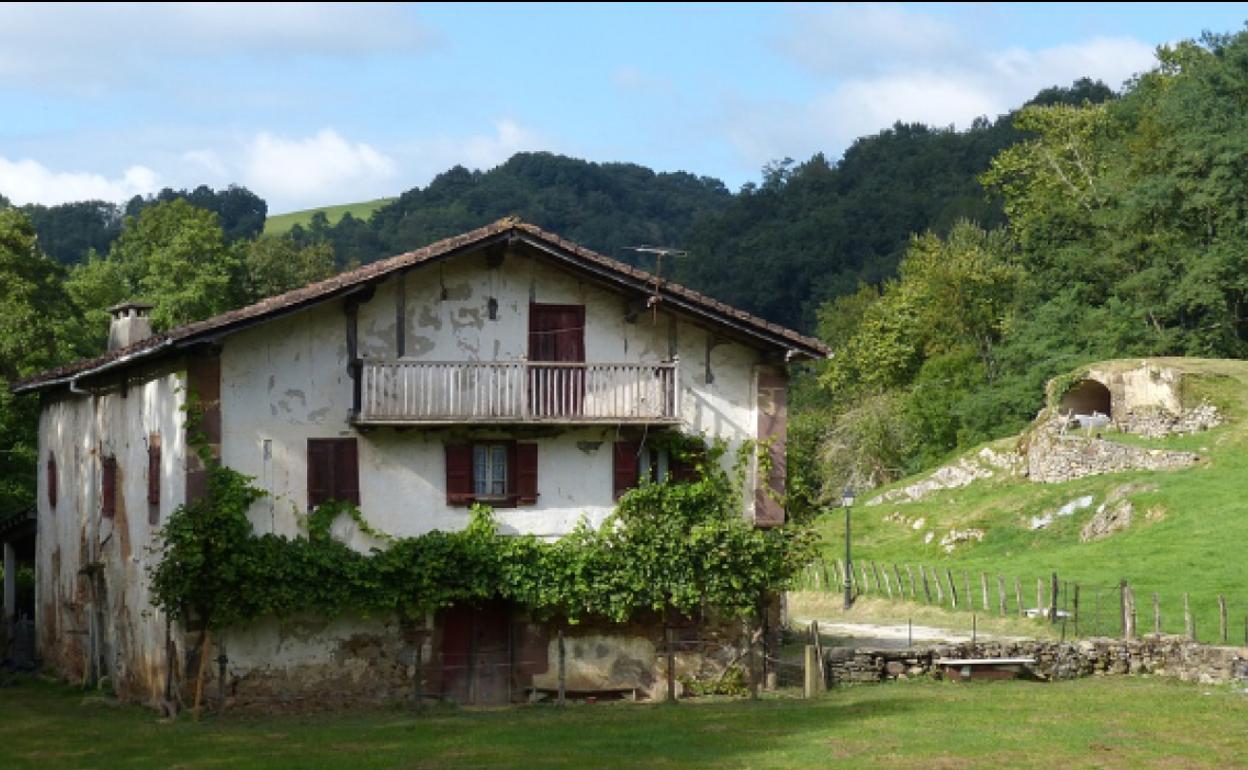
412	392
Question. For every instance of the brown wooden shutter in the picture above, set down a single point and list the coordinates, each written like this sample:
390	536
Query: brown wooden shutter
52	481
108	488
346	464
526	473
624	467
773	416
153	470
458	474
320	471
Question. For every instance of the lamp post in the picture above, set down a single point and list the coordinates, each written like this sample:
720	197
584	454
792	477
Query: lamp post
847	502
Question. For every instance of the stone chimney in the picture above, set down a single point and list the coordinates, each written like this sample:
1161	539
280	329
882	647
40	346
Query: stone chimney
131	322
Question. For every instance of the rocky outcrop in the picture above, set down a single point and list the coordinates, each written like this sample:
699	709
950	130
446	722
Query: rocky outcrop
984	464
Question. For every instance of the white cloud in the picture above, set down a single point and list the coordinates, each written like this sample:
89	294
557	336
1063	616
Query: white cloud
876	65
315	170
848	39
428	157
28	181
82	45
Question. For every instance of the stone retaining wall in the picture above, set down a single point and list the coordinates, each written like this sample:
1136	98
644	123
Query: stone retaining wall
1152	654
1053	458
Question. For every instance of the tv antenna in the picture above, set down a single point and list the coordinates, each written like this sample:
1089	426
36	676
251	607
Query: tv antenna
659	253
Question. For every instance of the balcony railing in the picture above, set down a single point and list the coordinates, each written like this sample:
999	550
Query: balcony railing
411	392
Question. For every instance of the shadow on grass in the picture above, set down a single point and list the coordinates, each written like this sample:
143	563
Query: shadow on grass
45	725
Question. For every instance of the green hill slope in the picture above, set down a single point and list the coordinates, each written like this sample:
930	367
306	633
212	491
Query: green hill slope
1188	533
281	223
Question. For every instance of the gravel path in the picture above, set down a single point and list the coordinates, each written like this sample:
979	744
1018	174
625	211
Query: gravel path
890	636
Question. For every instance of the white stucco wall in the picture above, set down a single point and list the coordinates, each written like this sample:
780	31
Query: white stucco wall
79	430
286	381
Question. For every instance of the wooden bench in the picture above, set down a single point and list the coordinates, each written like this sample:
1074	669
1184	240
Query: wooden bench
624	693
958	669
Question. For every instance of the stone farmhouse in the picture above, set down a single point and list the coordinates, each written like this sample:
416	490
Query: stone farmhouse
505	365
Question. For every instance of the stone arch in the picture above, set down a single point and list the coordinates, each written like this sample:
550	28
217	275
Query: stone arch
1087	397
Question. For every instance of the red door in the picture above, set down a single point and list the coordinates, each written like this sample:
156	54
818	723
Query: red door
556	335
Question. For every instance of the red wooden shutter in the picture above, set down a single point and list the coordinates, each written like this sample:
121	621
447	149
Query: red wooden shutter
320	471
153	470
458	474
526	473
108	488
346	463
624	467
52	480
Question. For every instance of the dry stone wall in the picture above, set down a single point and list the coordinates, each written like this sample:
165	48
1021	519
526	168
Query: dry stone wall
1055	457
1158	654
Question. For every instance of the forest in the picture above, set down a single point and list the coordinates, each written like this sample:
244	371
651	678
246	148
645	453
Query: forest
952	271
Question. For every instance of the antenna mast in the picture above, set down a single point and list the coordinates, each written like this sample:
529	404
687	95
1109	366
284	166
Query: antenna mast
659	253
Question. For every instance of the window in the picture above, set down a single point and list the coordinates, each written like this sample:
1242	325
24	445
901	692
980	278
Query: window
153	470
52	481
632	461
500	473
108	487
333	471
489	470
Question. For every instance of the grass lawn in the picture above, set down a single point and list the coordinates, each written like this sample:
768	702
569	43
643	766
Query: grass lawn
1186	535
281	223
1103	723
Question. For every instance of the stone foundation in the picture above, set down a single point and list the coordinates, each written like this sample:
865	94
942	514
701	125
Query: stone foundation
1162	655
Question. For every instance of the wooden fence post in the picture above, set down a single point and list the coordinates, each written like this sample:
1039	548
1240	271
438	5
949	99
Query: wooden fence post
866	578
671	664
888	583
842	574
810	667
1156	613
875	572
983	584
563	670
953	589
1039	594
1076	609
927	588
818	642
914	593
1001	595
901	587
1189	623
1222	618
1018	596
1053	599
1128	612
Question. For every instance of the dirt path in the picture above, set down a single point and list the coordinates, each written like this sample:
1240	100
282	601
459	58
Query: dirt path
890	636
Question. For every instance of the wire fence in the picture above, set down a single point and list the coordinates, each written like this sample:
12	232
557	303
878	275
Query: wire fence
1082	609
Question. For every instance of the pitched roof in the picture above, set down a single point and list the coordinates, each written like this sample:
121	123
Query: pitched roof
211	329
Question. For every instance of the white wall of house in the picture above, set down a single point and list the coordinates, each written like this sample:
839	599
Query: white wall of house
79	430
286	381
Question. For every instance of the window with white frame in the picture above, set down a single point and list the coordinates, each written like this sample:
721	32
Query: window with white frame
489	469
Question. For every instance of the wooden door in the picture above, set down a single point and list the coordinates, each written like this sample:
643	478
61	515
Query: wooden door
476	654
556	335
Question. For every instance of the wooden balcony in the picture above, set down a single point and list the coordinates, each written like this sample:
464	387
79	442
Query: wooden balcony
421	392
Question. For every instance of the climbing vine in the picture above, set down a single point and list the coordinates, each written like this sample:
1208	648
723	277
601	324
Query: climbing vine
673	545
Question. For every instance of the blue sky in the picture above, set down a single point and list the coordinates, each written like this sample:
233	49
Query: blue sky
318	104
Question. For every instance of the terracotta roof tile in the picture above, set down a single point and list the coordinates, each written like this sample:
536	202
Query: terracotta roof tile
344	282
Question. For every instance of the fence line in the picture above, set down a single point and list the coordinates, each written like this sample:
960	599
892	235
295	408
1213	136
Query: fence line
1083	609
